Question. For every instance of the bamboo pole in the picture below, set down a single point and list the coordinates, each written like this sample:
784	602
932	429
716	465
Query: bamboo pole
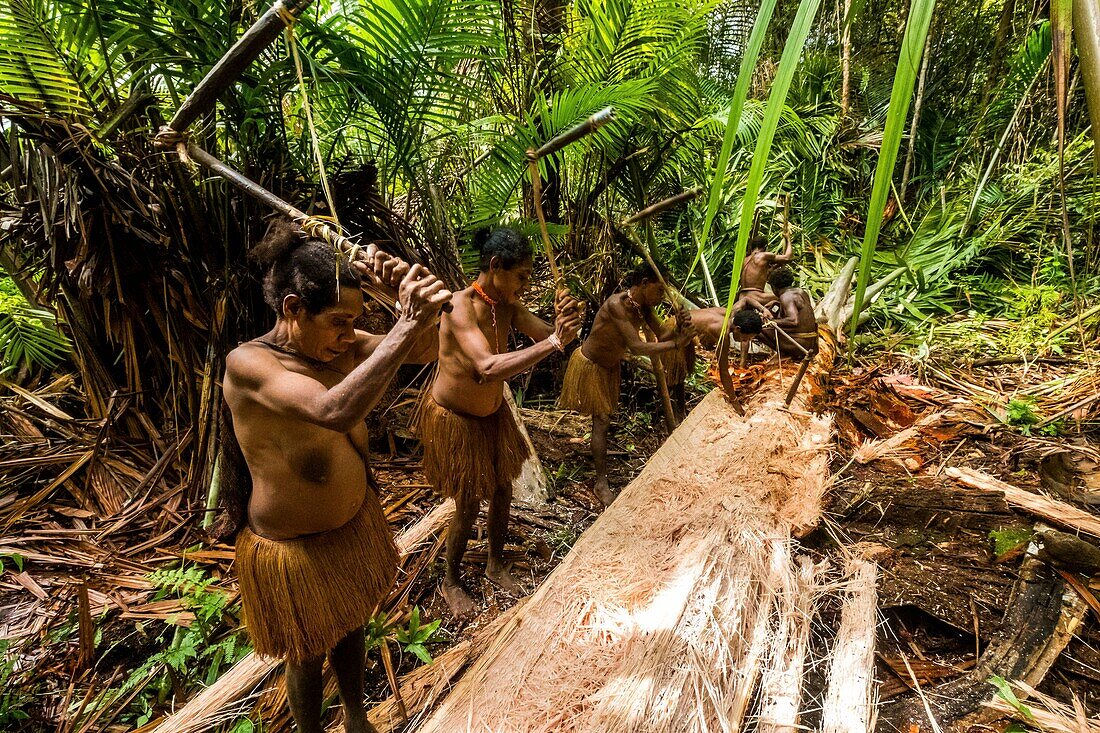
312	226
282	14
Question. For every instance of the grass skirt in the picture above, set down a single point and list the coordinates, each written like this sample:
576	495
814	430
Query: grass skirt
469	457
589	388
299	597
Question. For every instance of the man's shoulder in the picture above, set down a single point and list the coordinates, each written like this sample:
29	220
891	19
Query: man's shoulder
247	357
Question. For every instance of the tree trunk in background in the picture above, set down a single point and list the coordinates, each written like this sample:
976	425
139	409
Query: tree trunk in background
996	57
1086	21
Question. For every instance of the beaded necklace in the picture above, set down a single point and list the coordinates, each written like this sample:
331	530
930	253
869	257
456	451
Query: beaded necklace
492	310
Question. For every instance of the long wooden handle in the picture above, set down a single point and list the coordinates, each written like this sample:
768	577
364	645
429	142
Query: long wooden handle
312	226
573	134
548	248
230	66
664	205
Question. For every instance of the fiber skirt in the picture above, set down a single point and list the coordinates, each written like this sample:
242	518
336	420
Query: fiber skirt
300	597
469	457
589	388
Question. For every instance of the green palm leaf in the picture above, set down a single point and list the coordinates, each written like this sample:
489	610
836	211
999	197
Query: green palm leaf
32	66
792	52
912	46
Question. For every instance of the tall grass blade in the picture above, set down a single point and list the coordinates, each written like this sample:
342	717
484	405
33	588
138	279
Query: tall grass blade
912	46
777	100
737	104
1086	27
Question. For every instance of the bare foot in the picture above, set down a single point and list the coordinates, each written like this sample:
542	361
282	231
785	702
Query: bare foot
459	601
499	574
603	492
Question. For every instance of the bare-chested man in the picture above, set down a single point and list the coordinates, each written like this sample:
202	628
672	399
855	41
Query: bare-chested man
759	263
472	447
317	556
745	324
591	384
796	316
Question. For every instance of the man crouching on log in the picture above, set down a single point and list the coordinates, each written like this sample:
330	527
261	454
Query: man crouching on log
473	449
591	384
796	317
745	324
317	557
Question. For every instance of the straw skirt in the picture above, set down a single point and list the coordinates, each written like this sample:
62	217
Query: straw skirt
468	457
589	388
300	597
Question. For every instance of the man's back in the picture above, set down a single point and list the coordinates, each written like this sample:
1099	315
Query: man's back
606	345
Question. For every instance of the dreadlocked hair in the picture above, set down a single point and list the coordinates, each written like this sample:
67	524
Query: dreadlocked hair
294	263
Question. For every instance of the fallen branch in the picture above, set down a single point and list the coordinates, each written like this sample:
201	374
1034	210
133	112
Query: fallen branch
848	702
1049	509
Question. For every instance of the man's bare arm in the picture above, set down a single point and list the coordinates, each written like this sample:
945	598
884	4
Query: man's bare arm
792	311
634	342
425	351
530	325
490	367
345	405
781	259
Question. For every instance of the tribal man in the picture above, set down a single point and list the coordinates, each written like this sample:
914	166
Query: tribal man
759	262
473	449
796	317
591	384
316	556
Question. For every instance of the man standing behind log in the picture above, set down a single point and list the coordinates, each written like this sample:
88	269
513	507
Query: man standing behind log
317	556
759	263
796	317
591	384
473	449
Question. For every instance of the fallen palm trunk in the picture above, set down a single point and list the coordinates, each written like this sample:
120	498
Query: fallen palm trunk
848	702
781	686
660	617
203	711
1043	615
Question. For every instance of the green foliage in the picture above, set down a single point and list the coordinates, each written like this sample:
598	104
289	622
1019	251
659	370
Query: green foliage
1004	691
1020	413
414	637
28	335
912	46
14	699
188	655
14	558
562	539
1009	538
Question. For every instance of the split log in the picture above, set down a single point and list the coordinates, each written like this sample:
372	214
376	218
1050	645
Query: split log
1052	510
1043	615
651	622
848	705
781	686
210	705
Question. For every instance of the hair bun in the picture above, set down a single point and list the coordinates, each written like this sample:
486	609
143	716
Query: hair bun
283	236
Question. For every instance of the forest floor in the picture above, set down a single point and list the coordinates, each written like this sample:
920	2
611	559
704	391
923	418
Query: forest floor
104	626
